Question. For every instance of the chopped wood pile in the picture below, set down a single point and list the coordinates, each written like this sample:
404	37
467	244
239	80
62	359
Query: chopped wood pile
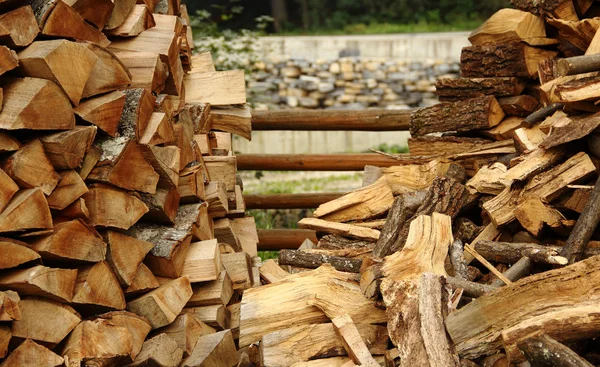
123	235
480	248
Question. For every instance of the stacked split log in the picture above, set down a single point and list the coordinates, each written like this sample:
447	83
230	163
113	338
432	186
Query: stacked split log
123	238
485	253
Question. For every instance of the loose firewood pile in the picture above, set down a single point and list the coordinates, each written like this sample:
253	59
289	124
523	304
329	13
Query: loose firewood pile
480	248
123	239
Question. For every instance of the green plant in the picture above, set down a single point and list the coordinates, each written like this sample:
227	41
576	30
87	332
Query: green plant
392	149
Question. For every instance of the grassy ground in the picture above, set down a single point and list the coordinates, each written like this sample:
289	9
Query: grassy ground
389	28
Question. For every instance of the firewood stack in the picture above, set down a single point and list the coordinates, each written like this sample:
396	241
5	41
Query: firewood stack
123	234
480	248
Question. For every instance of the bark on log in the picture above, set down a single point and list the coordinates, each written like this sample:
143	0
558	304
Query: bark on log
578	65
309	260
509	253
454	89
545	351
471	289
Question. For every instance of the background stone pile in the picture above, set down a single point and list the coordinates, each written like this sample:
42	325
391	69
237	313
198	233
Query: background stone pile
348	83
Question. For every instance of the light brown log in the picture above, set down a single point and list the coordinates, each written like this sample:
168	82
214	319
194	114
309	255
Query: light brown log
239	268
158	131
143	282
232	119
292	294
276	239
18	28
160	351
55	284
216	196
216	316
224	233
162	305
89	161
508	25
98	342
70	188
533	163
45	59
578	33
534	215
95	12
352	341
57	19
66	150
23	101
186	331
8	188
546	351
222	169
521	106
443	145
137	326
97	287
8	59
109	73
31	354
226	87
561	9
216	350
146	68
44	321
28	209
163	206
107	207
184	135
214	292
9	306
471	114
313	162
245	229
103	111
342	229
19	253
139	19
303	343
530	297
203	261
72	241
8	143
119	13
77	210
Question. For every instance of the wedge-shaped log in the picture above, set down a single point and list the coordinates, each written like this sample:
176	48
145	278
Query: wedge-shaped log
70	188
72	241
55	284
579	33
57	19
113	208
125	255
534	215
139	19
98	342
362	204
471	114
245	230
216	197
162	305
9	306
17	253
143	282
224	233
28	209
216	350
120	12
185	331
530	297
203	261
239	268
165	161
222	169
8	143
8	59
170	248
271	272
98	287
18	28
449	89
353	341
442	146
67	149
77	210
109	73
303	343
29	167
45	59
342	229
160	350
569	129
137	326
146	68
31	354
44	321
8	188
292	294
233	119
5	337
95	12
23	105
226	87
557	9
158	131
508	25
512	59
103	111
214	292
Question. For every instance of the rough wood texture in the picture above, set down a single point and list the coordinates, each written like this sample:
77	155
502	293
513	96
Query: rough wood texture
530	297
185	331
139	19
162	305
55	284
465	88
203	261
125	255
34	323
233	119
471	114
291	305
161	351
109	73
98	287
18	28
28	209
107	207
31	354
217	88
103	111
509	25
9	306
545	351
342	229
512	59
96	12
353	342
216	350
522	105
137	326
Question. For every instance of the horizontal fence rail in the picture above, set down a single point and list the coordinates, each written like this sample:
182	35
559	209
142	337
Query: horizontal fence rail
313	162
332	120
280	239
289	201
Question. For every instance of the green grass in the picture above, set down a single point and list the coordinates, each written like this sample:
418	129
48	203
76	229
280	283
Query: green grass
390	28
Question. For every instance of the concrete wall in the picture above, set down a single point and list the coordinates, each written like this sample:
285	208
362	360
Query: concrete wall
415	47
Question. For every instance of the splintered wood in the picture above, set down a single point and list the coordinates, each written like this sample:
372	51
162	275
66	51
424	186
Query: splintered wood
107	238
